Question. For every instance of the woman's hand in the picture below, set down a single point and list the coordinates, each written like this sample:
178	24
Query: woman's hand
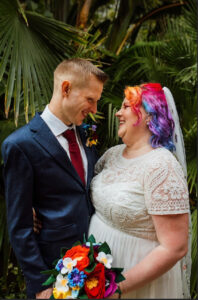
46	294
114	296
37	225
172	234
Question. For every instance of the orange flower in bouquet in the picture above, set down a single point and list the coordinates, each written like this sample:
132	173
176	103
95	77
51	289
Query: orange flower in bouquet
80	254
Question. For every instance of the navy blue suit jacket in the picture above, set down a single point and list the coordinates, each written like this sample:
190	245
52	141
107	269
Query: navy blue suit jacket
39	174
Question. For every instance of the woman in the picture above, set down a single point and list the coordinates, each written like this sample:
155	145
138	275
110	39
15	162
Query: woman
141	199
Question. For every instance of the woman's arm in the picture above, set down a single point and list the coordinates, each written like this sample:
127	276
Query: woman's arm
172	234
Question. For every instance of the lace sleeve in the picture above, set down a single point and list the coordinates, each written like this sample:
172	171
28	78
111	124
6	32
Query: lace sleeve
100	163
165	187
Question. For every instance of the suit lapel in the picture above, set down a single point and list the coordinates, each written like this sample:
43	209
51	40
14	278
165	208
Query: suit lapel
43	135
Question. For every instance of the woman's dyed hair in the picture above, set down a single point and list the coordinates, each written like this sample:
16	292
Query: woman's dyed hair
151	97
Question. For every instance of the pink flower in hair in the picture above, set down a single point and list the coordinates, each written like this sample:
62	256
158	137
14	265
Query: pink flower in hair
152	86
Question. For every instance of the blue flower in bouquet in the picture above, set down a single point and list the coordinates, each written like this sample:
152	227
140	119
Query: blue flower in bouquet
59	265
88	244
76	278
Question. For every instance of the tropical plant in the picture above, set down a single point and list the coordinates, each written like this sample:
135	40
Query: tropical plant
31	47
193	287
157	43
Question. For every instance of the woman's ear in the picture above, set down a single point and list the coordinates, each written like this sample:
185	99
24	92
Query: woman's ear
66	87
148	119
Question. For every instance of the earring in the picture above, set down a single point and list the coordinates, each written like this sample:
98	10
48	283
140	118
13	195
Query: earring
147	120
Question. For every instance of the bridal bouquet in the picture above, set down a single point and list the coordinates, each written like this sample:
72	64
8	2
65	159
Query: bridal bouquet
84	272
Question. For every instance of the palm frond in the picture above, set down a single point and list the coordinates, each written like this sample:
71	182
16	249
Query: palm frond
193	280
190	18
31	46
190	138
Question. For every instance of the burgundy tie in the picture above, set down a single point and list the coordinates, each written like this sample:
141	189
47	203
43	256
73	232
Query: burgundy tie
74	151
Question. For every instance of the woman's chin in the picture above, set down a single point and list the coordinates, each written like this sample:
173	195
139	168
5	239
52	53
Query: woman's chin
120	133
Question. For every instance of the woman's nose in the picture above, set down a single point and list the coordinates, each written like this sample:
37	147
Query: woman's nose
118	113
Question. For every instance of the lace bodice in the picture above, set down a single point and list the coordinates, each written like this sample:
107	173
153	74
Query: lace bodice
126	192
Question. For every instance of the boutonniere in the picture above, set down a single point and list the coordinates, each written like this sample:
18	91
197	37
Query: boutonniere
92	137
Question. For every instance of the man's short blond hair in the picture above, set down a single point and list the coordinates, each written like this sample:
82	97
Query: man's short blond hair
78	71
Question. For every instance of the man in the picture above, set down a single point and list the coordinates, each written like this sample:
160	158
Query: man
48	167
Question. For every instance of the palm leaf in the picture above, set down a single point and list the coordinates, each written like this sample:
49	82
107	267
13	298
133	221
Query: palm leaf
190	138
194	254
31	46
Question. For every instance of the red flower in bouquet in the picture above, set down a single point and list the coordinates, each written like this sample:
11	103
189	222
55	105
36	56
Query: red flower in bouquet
95	283
79	253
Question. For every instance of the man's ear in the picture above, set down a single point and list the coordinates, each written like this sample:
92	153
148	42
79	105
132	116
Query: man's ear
66	87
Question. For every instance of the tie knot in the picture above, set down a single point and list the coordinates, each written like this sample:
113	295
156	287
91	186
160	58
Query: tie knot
69	134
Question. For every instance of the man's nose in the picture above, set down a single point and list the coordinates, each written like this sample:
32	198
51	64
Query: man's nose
94	108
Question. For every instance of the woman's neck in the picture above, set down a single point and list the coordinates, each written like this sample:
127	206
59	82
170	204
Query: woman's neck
137	148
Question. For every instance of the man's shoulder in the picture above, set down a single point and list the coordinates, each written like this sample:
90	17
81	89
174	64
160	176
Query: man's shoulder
17	135
21	134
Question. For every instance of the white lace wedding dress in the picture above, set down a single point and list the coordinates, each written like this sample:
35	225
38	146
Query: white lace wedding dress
125	193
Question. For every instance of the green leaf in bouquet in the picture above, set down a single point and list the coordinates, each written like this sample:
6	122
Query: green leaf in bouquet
119	276
63	250
91	250
50	280
91	239
84	238
91	267
50	272
117	270
77	244
118	291
55	262
52	297
104	248
92	263
83	296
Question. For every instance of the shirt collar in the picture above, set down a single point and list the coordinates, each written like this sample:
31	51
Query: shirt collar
54	123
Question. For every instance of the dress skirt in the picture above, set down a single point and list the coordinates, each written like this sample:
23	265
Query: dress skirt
127	251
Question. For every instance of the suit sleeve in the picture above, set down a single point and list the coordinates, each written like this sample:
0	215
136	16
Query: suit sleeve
19	191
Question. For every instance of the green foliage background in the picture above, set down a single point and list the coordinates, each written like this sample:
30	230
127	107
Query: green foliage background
134	41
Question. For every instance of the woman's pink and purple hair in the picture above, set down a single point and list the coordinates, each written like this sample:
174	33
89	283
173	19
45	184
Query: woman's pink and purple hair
151	97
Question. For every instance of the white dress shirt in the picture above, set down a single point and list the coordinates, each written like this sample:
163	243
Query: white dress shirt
58	127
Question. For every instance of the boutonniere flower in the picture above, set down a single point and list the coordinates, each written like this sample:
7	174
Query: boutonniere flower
92	137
